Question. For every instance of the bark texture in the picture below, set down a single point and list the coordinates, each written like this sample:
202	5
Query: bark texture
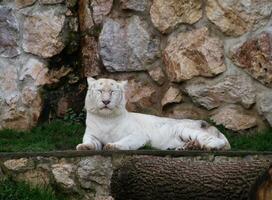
149	178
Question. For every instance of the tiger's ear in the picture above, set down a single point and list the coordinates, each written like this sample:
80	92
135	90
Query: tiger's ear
90	81
124	84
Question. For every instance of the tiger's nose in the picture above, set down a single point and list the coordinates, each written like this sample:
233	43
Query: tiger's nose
106	102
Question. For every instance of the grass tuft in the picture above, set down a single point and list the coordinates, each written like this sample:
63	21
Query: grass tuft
11	190
57	135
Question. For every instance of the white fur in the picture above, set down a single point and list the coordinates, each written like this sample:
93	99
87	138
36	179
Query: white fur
116	128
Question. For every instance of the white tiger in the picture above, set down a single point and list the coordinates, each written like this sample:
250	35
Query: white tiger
110	126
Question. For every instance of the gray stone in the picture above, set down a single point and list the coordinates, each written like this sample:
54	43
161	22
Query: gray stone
101	8
9	33
127	46
137	5
234	118
232	89
42	32
95	172
264	104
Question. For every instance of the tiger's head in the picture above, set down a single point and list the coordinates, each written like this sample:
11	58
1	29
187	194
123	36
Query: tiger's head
105	97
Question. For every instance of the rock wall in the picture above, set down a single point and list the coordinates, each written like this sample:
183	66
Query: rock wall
87	176
183	58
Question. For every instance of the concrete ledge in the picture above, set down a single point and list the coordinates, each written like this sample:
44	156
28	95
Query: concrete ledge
73	153
86	175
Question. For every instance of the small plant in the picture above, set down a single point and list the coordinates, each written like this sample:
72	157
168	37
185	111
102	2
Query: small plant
73	117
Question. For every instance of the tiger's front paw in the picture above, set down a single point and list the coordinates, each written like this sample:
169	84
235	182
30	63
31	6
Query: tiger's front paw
111	147
191	145
82	147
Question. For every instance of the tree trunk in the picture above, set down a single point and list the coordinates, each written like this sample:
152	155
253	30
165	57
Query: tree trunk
157	178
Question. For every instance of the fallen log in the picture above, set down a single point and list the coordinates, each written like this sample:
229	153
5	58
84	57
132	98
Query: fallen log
157	178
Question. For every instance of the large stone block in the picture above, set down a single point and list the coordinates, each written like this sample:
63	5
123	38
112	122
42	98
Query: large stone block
63	175
42	32
127	46
95	172
255	57
193	53
234	118
232	89
237	17
165	15
9	33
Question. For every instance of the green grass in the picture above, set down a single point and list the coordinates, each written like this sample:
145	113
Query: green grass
10	190
58	135
62	135
257	142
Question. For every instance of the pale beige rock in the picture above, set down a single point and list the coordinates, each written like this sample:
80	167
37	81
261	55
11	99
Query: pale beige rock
36	178
42	32
20	105
237	17
101	8
63	175
193	53
24	3
157	75
172	95
35	69
234	118
232	89
165	15
19	165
